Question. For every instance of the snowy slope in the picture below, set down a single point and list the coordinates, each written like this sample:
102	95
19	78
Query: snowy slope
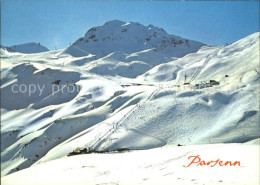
4	48
175	113
155	166
212	63
127	49
112	109
31	47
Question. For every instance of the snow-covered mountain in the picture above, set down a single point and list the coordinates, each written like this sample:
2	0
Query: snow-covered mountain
31	47
129	38
4	48
129	97
127	49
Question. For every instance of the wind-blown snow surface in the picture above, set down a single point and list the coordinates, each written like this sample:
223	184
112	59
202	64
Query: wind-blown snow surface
126	100
151	167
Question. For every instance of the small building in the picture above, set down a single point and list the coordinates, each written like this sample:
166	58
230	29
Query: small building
78	151
213	82
57	82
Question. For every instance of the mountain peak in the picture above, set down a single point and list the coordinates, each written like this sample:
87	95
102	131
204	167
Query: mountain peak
31	47
129	38
114	23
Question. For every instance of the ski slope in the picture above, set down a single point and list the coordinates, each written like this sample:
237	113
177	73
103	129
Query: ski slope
132	99
145	167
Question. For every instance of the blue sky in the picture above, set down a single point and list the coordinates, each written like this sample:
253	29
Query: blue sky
57	23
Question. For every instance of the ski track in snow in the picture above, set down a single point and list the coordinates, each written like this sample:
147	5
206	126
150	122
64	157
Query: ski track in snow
134	98
198	70
116	126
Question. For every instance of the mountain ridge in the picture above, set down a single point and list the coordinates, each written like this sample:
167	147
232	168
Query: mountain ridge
129	37
31	47
127	101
